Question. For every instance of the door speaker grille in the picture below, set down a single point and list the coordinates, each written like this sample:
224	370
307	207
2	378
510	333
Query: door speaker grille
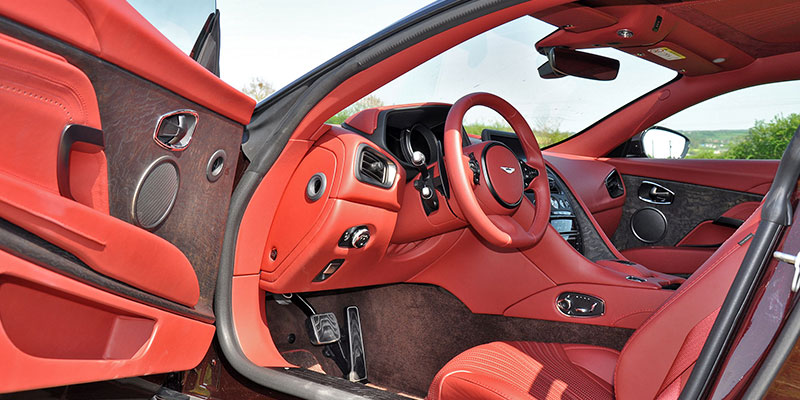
155	195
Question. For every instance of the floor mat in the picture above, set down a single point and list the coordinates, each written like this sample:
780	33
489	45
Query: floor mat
411	331
303	359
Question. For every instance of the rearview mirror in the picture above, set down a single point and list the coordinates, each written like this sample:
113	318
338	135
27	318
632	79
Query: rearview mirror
660	142
562	62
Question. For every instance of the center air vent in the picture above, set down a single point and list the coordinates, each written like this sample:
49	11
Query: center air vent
614	185
374	168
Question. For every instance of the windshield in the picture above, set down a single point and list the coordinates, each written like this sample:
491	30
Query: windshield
504	61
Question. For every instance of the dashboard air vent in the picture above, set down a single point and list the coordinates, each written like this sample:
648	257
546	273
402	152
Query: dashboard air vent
614	185
374	168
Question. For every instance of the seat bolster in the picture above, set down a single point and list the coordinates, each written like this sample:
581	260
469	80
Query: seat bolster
466	385
526	371
599	361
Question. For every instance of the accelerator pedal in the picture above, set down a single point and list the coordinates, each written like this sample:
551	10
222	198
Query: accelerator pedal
358	361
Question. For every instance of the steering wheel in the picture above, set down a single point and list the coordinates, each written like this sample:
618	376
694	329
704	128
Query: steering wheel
488	181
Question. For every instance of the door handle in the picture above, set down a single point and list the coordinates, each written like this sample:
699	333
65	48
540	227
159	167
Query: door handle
654	193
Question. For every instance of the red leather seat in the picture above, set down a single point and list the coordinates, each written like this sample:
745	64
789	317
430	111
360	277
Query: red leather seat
655	363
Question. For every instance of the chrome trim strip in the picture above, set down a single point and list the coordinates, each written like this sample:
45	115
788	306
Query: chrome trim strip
184	142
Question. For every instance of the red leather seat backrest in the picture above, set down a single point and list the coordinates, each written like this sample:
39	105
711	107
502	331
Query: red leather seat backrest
657	360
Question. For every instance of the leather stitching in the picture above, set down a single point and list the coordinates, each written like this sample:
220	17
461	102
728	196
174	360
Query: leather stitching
35	96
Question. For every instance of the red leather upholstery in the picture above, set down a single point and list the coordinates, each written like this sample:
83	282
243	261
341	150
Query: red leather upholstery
655	363
639	270
527	370
669	259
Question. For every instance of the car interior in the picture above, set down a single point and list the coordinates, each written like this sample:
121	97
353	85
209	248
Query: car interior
162	210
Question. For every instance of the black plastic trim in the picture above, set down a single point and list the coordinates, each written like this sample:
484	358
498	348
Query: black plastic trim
734	223
488	179
206	47
73	133
316	186
389	175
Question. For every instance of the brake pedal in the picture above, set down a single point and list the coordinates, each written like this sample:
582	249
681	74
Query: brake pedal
323	329
358	361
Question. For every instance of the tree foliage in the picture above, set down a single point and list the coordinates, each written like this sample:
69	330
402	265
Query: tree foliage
366	102
258	88
545	135
766	140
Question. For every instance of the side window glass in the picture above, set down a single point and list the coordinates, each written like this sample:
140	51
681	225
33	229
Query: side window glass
751	123
179	20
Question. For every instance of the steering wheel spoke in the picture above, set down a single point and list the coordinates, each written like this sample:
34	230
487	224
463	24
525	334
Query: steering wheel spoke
488	181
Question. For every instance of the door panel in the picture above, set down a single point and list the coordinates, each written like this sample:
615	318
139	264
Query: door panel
751	176
692	205
123	300
59	331
106	244
129	110
708	198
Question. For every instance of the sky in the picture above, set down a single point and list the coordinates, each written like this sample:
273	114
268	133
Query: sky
281	40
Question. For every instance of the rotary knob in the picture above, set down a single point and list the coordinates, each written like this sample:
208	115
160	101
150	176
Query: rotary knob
360	238
426	192
418	159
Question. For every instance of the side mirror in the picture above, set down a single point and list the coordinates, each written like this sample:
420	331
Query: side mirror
660	142
562	62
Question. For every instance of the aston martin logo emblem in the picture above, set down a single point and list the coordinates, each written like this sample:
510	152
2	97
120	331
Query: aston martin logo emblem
508	170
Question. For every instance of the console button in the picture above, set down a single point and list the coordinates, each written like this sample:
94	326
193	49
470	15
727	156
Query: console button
355	237
360	238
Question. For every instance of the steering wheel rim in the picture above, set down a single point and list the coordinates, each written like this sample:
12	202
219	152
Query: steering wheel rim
520	226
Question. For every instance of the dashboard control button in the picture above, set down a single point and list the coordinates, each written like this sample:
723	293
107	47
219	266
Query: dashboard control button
475	168
574	304
360	238
355	237
426	192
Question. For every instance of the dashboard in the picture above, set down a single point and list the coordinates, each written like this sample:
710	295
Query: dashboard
363	208
402	131
354	212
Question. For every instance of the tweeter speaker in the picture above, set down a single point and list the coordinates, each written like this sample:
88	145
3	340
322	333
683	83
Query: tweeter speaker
156	193
649	225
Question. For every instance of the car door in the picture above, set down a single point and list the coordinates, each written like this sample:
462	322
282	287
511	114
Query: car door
681	201
116	167
678	212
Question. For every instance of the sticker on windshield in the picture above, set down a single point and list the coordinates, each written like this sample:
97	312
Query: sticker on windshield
667	53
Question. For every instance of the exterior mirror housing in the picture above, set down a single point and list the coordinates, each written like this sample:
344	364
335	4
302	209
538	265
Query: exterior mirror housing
660	142
562	62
